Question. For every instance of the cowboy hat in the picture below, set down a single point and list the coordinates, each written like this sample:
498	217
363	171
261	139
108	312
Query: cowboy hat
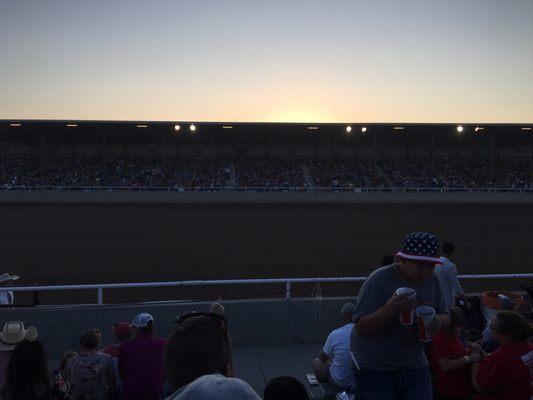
7	277
14	333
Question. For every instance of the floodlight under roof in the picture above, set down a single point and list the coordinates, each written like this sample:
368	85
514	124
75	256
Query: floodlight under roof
312	128
142	126
72	125
526	129
177	127
15	125
460	129
192	128
348	129
227	127
478	129
364	129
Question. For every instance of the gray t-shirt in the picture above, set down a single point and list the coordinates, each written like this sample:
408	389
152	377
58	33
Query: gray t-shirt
396	347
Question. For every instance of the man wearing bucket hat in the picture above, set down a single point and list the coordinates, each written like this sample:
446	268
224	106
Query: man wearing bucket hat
13	333
387	342
7	280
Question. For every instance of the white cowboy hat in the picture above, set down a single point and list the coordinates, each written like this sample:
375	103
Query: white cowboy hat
7	277
14	333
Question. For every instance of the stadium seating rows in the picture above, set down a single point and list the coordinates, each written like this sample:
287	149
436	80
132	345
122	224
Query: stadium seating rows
266	172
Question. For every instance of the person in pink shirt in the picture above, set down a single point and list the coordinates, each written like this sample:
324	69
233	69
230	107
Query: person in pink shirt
141	362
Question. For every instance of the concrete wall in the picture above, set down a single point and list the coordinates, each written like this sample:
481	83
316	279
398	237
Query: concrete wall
254	197
250	322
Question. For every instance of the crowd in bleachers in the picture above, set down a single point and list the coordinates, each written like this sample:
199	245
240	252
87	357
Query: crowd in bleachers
267	172
402	330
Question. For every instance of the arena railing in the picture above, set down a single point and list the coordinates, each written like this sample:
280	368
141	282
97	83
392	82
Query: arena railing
288	282
197	189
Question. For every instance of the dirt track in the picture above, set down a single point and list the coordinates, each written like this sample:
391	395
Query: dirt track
94	243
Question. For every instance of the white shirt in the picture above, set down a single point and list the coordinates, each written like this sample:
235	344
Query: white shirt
337	348
449	284
6	297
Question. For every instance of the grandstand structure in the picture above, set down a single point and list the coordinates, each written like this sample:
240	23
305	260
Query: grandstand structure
321	205
185	156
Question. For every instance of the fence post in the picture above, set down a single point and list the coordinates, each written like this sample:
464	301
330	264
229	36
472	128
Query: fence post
288	290
100	296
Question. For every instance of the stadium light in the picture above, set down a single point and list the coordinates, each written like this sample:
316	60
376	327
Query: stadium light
478	129
227	127
192	128
72	125
142	126
177	127
460	129
313	128
15	125
363	129
526	129
348	129
398	128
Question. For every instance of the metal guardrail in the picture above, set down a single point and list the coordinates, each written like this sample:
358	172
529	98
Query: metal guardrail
7	188
287	281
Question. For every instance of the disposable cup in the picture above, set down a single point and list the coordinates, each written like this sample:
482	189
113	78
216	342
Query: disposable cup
407	317
425	316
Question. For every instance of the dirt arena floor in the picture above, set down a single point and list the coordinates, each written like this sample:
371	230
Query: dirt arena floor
110	243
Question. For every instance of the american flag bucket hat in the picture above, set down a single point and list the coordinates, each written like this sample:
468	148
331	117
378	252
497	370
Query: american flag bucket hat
420	246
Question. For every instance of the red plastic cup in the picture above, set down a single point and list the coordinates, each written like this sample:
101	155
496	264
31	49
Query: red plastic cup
407	318
425	316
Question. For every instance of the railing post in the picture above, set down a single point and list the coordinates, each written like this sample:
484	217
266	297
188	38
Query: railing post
288	290
100	296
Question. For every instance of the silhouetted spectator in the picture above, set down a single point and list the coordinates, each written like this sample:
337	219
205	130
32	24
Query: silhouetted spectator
333	363
141	362
123	332
447	274
285	388
506	373
216	387
451	360
59	379
198	346
388	355
27	374
12	334
91	373
7	279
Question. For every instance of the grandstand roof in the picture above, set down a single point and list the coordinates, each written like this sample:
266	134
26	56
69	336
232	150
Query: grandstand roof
235	133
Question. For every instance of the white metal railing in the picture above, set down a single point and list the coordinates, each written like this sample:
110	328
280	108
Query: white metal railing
287	281
56	188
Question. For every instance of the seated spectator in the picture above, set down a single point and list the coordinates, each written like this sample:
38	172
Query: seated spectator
59	380
451	360
504	375
217	387
90	373
141	362
333	363
26	375
285	388
123	332
12	334
489	343
199	351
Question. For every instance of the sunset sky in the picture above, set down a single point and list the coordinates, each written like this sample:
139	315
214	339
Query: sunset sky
267	61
